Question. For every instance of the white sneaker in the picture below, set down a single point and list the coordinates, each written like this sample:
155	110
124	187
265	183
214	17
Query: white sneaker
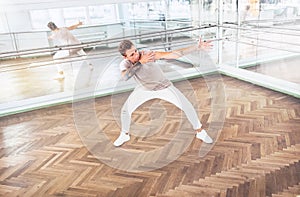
122	139
202	135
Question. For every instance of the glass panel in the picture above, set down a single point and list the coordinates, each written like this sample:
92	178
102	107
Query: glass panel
264	39
7	42
275	51
148	10
269	40
31	40
74	14
39	18
3	23
103	14
56	15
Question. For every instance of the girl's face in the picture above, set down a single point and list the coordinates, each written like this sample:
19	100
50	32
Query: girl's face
132	55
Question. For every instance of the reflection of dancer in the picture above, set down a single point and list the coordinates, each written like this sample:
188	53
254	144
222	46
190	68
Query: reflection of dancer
65	37
245	14
153	84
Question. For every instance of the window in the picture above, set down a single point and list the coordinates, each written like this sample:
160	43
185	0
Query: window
74	14
39	19
103	14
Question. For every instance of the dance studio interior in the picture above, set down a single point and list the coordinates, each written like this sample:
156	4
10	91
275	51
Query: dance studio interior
57	133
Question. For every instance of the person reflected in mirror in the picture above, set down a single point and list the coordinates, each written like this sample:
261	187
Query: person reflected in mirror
245	14
152	84
64	37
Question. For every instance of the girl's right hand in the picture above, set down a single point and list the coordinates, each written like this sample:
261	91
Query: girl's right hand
147	57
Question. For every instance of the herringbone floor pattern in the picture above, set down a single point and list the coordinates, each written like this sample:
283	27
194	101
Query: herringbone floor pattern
256	154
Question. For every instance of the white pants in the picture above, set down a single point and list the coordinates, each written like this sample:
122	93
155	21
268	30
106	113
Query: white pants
65	53
170	94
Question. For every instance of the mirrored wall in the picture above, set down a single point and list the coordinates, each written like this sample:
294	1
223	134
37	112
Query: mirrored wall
249	37
263	38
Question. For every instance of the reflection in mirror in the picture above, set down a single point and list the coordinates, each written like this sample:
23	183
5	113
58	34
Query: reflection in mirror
263	36
249	34
28	65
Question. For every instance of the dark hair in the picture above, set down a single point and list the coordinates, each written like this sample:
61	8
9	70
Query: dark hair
52	26
124	46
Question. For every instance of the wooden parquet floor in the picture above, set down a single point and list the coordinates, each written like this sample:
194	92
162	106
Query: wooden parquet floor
257	152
